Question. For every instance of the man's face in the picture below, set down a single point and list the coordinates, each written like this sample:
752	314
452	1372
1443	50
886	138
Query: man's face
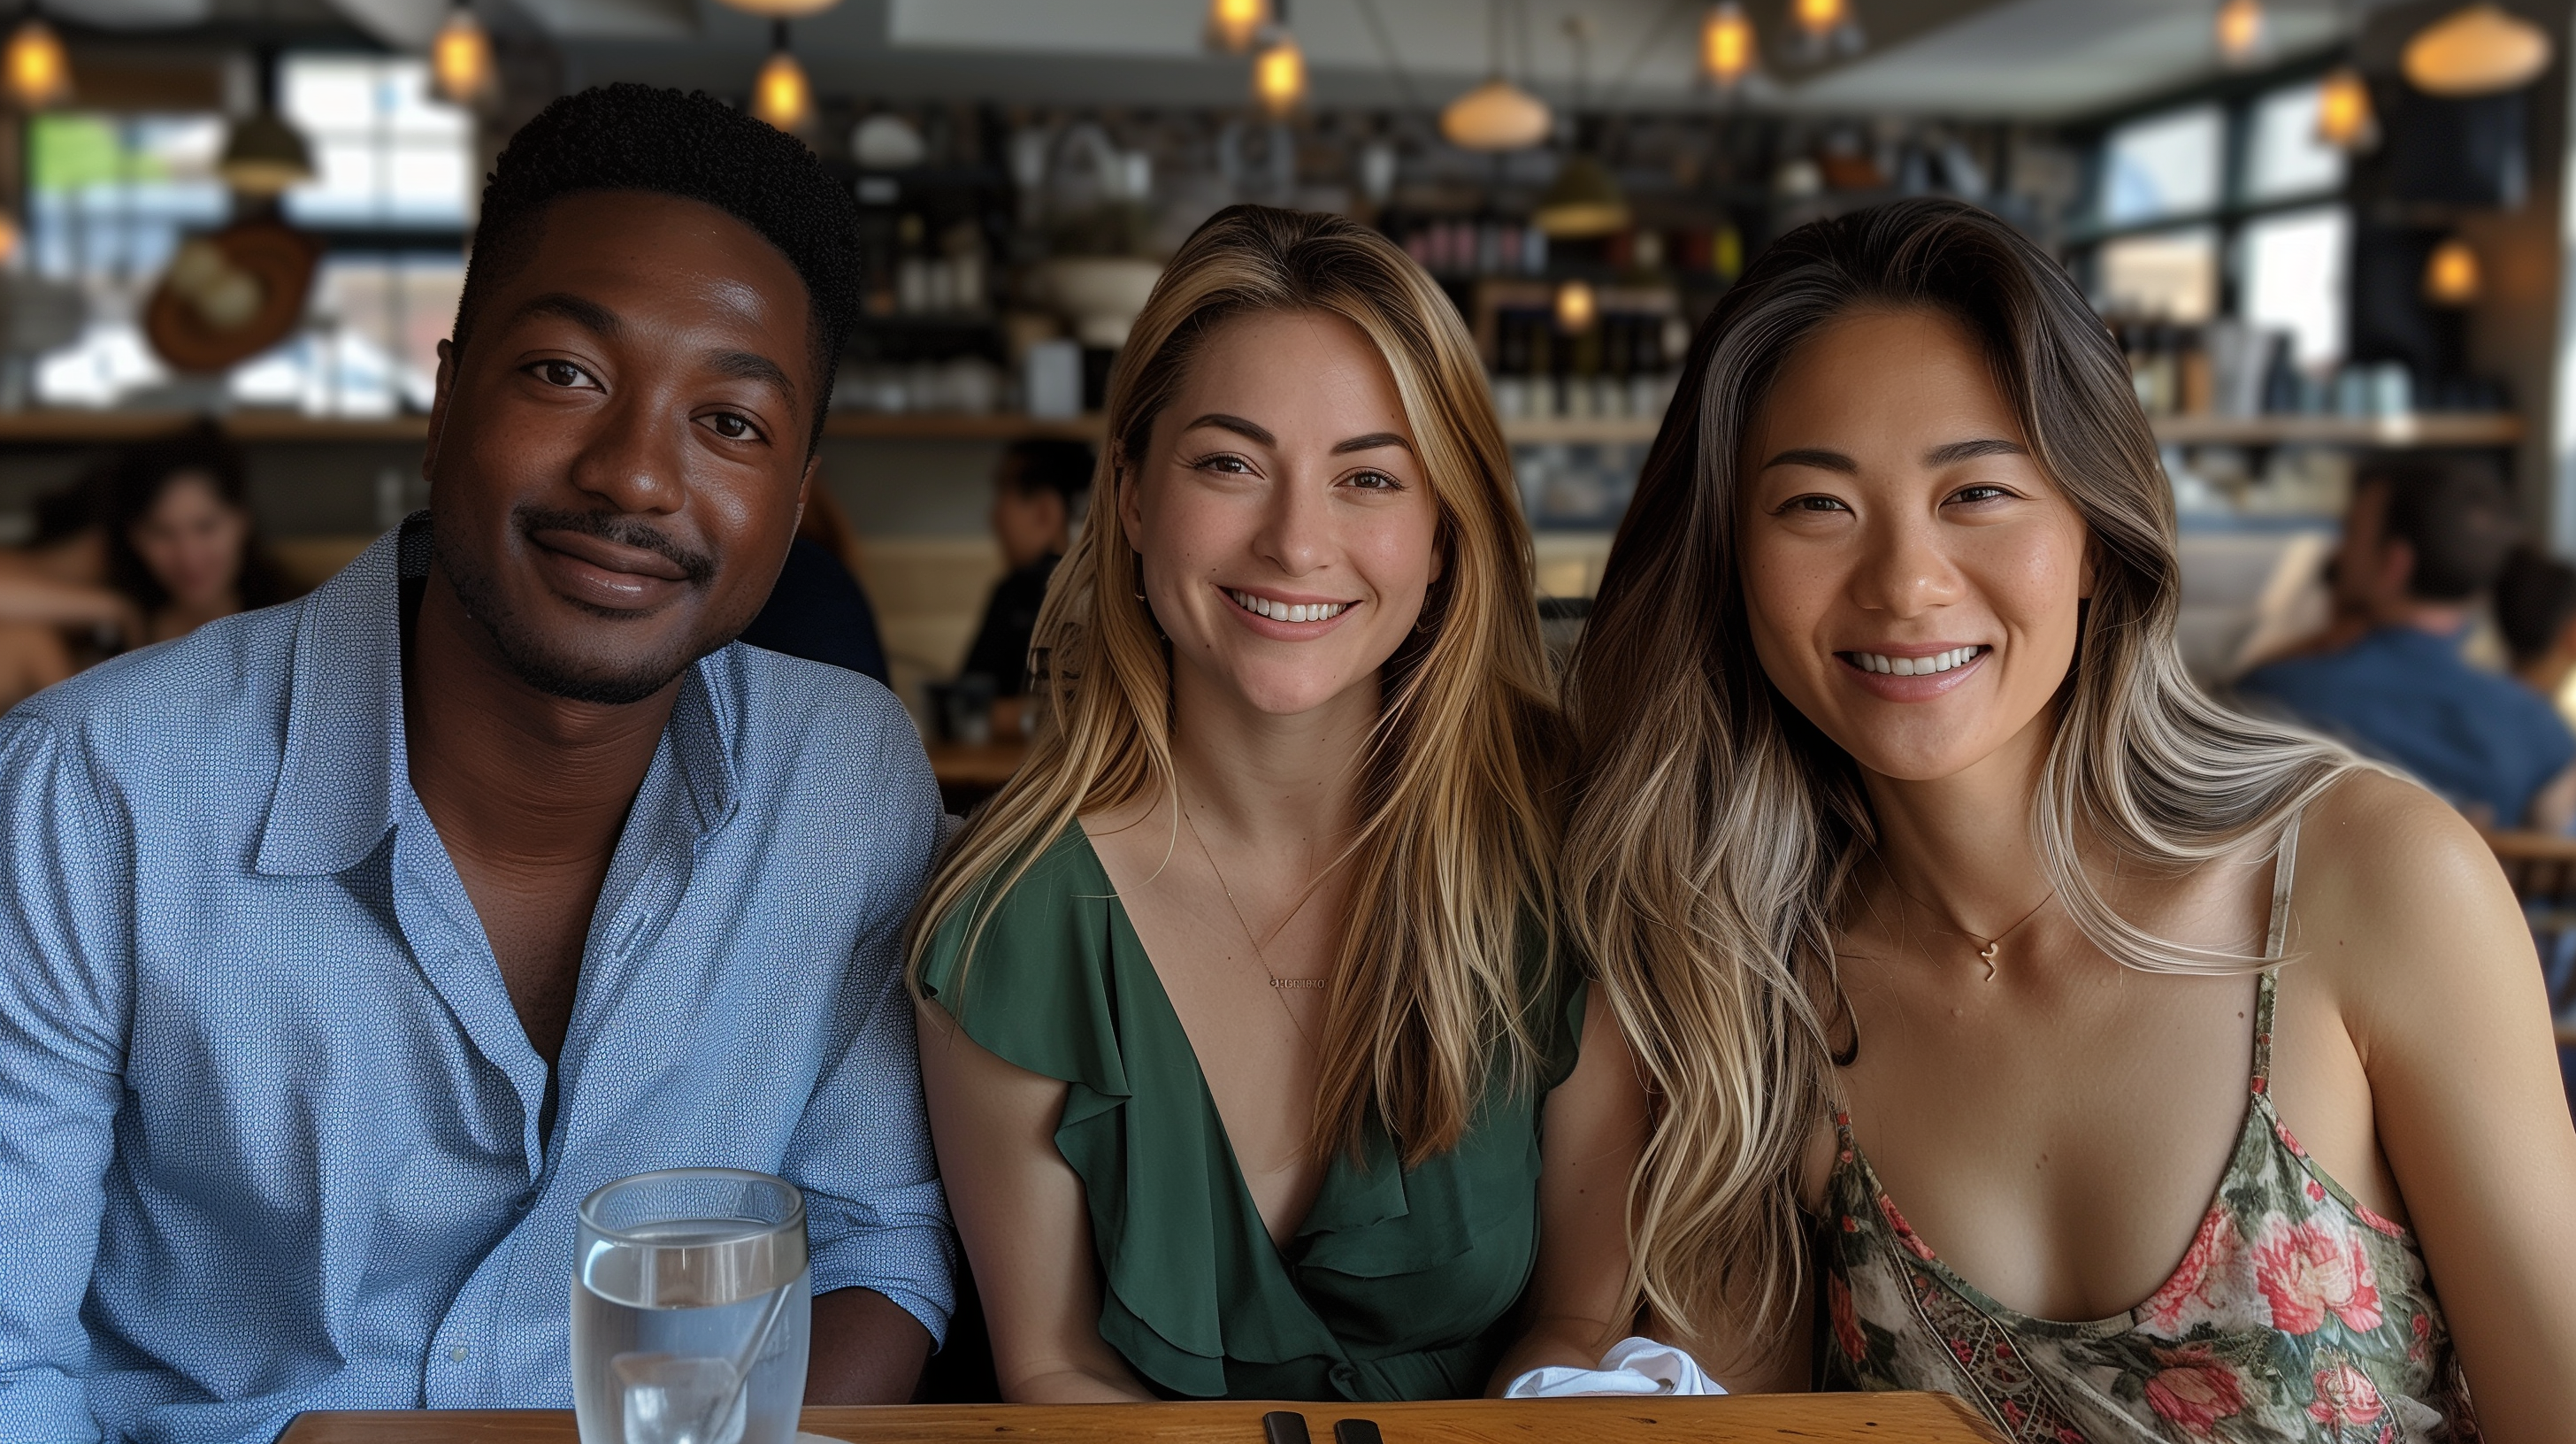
2365	576
618	457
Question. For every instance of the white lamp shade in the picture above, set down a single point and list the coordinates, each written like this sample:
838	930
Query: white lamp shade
1496	115
2477	50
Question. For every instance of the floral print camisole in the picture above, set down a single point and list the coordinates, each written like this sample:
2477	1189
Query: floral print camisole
2297	1313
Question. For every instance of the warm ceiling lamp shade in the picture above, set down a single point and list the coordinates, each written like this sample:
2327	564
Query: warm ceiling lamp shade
39	72
264	156
1725	45
1583	203
1279	77
460	59
2344	116
2451	276
781	9
1496	115
2477	50
2242	29
1233	25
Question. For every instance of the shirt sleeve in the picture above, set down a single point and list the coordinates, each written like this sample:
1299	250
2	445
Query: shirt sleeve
875	1215
65	1005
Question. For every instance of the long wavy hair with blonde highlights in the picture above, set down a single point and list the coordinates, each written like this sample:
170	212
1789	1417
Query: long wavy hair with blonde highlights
1449	865
1714	828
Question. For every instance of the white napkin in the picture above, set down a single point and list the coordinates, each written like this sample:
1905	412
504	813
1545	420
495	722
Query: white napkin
1633	1366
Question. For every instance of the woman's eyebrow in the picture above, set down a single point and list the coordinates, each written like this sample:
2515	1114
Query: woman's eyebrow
1959	451
1815	457
1372	442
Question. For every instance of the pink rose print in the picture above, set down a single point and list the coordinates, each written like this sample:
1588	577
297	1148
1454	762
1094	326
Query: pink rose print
2212	1253
2288	1142
2388	1226
2345	1395
1904	1230
2316	1191
2194	1390
1838	1302
2308	1270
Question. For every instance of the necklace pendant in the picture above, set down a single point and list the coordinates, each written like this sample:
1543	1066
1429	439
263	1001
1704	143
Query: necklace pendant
1297	982
1989	953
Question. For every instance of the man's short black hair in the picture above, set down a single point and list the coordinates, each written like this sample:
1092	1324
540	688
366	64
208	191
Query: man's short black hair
1062	466
2535	599
642	138
2456	514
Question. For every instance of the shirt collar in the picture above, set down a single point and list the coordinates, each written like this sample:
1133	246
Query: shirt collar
346	774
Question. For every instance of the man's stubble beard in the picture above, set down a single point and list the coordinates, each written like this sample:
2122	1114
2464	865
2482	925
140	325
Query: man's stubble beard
541	667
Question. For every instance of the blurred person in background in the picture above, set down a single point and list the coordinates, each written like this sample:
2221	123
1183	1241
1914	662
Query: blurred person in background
2424	541
180	542
57	613
1038	491
2535	609
818	610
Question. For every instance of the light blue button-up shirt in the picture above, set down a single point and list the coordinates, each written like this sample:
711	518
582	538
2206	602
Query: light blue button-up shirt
271	1135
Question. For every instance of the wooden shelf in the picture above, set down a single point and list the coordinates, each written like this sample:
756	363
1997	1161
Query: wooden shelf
2423	428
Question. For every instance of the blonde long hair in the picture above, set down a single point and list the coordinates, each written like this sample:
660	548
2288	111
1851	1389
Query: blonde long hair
1715	828
1449	865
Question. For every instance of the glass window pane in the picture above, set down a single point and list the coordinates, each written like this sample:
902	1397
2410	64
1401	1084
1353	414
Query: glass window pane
349	186
324	93
411	110
426	184
2294	279
2170	276
2167	165
2283	156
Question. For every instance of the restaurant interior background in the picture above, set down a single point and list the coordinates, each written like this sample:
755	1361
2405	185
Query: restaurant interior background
2314	228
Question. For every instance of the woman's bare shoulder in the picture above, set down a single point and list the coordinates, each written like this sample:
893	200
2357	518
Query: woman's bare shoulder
2392	881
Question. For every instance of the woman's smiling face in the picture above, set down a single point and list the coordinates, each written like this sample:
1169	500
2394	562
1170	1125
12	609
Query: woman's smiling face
1287	532
1911	575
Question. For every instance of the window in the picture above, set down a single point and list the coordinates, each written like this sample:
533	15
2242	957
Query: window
2293	270
2283	157
108	198
2166	165
388	152
2170	276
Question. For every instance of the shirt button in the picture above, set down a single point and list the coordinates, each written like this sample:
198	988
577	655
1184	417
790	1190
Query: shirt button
459	1354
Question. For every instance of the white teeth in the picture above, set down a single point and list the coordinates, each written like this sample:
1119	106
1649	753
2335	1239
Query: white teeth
1915	666
1287	612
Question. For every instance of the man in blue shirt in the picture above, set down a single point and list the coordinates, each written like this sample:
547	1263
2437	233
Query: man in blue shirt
351	943
2424	541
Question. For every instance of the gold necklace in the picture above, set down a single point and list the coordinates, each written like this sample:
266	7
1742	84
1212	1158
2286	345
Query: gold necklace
1994	946
1277	983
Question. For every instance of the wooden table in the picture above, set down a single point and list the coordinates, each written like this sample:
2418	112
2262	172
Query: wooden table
1774	1419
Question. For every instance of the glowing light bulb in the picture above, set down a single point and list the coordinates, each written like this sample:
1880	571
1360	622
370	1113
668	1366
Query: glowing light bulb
2451	274
1725	44
1279	76
460	58
1576	307
2476	50
2242	29
1821	17
1233	24
8	239
38	73
781	95
2344	117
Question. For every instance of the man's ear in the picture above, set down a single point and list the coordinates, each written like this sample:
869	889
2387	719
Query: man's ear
442	389
2396	568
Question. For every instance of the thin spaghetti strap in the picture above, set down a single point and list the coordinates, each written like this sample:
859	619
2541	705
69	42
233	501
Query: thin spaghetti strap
2285	861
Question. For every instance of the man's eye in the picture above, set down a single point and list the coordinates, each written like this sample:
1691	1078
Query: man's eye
561	373
731	427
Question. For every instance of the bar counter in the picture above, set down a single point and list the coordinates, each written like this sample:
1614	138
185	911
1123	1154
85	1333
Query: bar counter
1774	1419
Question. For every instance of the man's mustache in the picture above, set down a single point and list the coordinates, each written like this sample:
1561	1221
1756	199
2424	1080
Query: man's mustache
623	530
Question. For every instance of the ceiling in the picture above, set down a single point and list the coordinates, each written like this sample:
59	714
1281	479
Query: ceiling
2030	58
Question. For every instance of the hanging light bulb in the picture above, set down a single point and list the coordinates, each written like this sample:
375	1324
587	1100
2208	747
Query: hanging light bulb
263	155
1584	202
1826	27
2476	50
781	95
39	73
1279	75
2344	118
461	58
1576	307
2242	29
2451	274
781	9
1496	115
9	237
1725	45
1233	25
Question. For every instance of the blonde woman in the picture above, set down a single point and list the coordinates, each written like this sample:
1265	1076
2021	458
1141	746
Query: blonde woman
1241	1008
2142	1070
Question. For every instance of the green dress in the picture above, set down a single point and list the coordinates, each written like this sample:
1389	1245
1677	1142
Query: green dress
1398	1285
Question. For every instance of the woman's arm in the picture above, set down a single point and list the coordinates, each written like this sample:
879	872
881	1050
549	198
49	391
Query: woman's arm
2432	966
1020	1209
25	597
1590	1133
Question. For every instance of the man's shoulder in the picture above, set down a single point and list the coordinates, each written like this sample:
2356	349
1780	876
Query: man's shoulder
798	721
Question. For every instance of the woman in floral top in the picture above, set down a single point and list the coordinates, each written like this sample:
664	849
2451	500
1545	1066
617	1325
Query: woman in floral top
1956	929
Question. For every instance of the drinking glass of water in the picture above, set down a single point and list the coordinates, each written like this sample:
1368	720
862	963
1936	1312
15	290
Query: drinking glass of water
691	1301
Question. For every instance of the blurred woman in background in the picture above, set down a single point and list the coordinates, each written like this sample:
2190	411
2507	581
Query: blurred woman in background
1918	870
180	544
1240	1003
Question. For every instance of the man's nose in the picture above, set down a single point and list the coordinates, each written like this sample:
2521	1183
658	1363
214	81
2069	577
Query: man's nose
634	458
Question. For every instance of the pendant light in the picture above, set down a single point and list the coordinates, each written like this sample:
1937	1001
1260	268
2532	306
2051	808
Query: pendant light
2451	274
1232	25
2476	50
38	73
781	9
2344	117
1826	27
780	94
1496	115
1576	307
1725	45
265	157
1583	203
1279	76
2242	30
460	58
